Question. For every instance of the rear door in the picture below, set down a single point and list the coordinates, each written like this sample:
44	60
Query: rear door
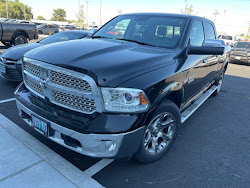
46	29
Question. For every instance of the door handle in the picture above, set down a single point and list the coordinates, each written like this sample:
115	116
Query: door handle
205	60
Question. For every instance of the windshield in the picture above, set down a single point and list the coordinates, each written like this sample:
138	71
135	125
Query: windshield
63	36
243	45
40	25
160	31
10	21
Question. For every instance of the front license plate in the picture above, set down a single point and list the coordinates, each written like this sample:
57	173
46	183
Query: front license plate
237	57
40	126
2	69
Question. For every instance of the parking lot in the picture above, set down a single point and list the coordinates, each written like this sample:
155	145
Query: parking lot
212	150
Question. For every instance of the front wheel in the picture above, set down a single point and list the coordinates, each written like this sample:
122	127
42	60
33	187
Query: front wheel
20	39
160	133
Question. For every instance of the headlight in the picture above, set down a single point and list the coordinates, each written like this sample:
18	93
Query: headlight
19	61
248	54
124	100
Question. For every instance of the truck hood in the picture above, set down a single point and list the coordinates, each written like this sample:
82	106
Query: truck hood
110	62
17	52
241	49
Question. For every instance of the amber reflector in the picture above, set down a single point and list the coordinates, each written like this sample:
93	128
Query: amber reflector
143	100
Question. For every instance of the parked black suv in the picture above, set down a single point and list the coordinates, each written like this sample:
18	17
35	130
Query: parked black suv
125	91
240	53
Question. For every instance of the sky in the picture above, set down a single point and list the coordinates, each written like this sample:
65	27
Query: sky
233	18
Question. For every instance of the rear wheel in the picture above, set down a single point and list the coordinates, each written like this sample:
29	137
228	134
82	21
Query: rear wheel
40	32
160	133
219	83
20	39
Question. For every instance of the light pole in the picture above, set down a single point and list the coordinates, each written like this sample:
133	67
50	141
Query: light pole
87	7
24	11
215	14
100	12
7	8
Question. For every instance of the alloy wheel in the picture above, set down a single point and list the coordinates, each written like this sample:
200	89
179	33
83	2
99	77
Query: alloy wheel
159	133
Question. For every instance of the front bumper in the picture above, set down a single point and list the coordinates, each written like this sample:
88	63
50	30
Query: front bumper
106	145
13	72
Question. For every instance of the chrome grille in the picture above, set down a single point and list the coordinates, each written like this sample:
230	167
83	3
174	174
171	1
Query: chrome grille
33	69
35	87
240	53
63	87
69	81
75	102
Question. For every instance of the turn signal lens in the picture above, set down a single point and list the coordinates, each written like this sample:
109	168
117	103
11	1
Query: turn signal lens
143	100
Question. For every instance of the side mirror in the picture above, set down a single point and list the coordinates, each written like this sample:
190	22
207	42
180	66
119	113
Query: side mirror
209	47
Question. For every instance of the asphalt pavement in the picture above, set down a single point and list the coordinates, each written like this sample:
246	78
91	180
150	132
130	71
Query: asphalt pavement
212	150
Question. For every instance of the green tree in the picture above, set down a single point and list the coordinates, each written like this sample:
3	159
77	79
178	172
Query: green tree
71	21
59	15
40	18
16	10
188	9
80	18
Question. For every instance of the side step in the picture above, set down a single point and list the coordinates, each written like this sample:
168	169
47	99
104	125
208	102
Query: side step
193	107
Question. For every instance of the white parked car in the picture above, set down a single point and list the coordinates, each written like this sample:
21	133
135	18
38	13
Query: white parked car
229	39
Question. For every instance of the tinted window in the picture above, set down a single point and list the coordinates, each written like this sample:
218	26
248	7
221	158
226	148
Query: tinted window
63	36
209	33
197	34
243	45
225	37
161	31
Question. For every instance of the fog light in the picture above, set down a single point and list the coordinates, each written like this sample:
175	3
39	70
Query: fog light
110	145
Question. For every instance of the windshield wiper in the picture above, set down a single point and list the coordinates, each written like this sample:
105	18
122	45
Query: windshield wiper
99	37
138	42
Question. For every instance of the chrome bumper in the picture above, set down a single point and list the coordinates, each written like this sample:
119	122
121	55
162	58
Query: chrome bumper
94	145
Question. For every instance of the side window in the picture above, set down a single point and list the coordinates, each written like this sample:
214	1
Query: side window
209	33
197	34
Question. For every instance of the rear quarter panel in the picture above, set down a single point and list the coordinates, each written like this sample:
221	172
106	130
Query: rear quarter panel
8	29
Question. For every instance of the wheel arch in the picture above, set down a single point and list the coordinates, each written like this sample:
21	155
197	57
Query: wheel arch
20	32
173	92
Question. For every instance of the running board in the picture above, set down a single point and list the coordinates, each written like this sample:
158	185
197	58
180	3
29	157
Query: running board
196	104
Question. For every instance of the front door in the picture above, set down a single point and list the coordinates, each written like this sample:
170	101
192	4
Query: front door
198	74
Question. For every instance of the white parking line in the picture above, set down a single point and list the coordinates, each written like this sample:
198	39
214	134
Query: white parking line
91	171
7	100
68	170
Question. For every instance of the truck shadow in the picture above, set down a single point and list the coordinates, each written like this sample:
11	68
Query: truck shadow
3	47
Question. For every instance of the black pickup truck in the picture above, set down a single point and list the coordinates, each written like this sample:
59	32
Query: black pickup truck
15	34
125	91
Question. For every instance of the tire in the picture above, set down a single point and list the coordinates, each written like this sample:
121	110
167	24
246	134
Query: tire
219	83
8	44
40	32
20	39
160	134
